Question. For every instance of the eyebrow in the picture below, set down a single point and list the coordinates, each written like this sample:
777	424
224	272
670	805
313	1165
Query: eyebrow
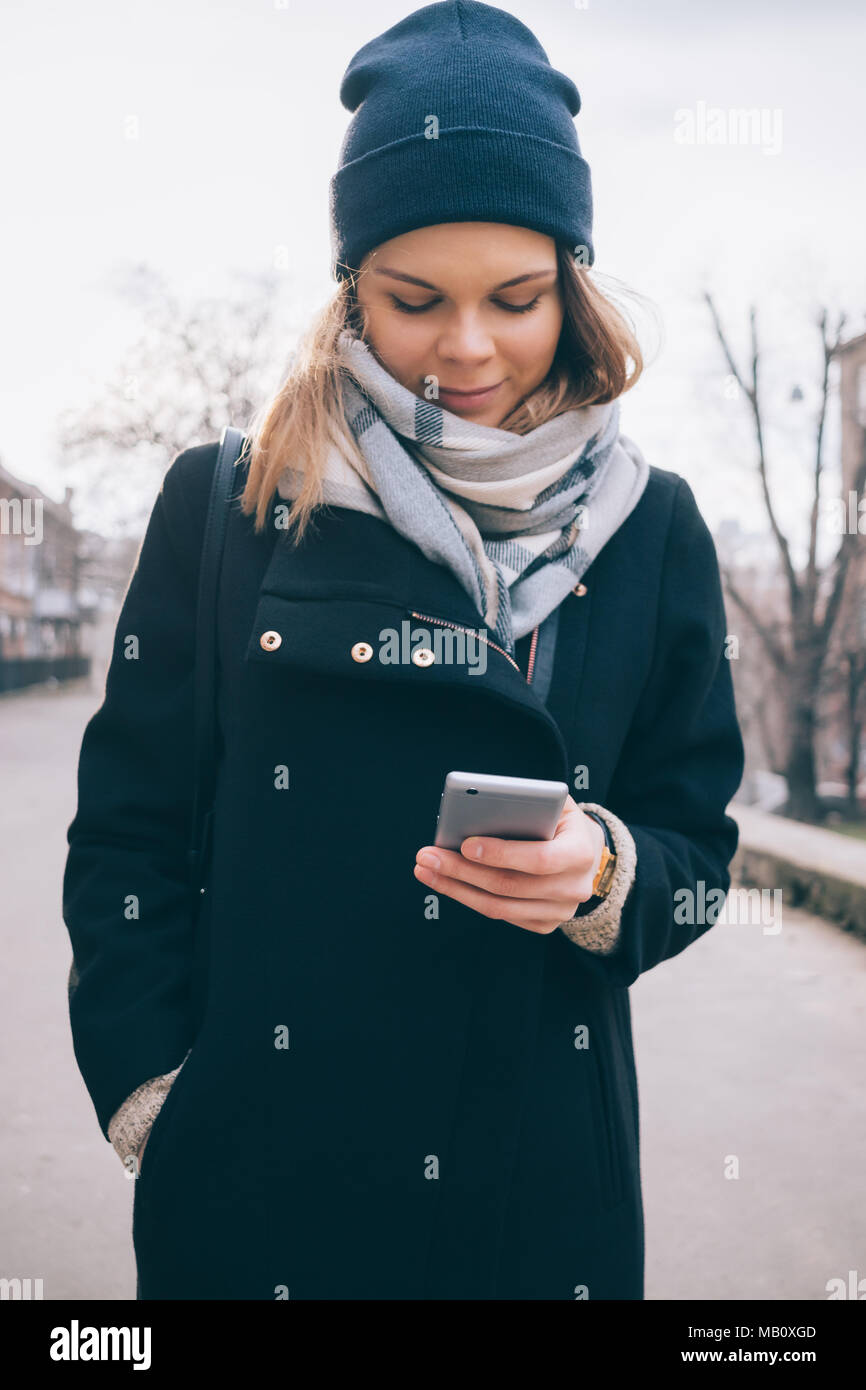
425	284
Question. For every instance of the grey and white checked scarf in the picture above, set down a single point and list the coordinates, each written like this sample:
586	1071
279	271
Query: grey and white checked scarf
517	518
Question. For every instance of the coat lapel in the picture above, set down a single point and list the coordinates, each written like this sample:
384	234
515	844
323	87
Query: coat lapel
355	580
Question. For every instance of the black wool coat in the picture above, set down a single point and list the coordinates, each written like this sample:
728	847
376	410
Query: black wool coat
382	1102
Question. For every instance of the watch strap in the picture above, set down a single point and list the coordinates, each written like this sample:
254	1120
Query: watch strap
607	867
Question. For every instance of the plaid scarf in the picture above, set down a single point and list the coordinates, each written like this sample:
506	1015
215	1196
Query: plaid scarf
518	518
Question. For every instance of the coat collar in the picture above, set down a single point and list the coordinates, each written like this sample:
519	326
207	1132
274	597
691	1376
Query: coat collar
354	579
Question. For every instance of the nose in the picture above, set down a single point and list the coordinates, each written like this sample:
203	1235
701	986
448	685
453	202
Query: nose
465	340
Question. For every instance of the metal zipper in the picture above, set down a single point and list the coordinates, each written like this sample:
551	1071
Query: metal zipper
531	662
445	622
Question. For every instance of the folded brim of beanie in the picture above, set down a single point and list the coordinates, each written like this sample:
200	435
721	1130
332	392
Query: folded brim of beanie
465	175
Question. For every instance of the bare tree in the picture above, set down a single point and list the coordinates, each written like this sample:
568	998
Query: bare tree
845	685
813	595
194	367
855	685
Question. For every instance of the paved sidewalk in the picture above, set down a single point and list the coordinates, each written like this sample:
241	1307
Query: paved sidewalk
748	1045
65	1204
751	1047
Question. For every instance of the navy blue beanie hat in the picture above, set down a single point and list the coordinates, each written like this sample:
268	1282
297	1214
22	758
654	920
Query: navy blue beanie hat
458	117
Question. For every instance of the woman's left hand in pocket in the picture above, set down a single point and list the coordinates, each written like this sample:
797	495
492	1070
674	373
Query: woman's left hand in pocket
534	884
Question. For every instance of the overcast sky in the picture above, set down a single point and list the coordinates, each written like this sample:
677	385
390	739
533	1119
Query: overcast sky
240	123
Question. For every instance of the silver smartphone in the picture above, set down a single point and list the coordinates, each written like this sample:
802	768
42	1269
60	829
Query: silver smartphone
509	808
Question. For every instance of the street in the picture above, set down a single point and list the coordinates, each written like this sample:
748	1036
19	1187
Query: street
750	1046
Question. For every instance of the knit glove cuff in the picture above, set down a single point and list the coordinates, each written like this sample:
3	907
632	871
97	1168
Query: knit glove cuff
130	1125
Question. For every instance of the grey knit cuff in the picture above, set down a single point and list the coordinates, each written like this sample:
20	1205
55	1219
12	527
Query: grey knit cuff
130	1125
599	929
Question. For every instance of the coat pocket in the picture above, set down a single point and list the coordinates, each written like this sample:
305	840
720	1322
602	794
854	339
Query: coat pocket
163	1116
607	1138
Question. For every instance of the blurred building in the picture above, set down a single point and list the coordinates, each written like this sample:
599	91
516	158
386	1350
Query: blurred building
844	732
56	582
750	562
40	615
852	399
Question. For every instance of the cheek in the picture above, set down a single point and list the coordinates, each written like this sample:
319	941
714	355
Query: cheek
400	340
531	345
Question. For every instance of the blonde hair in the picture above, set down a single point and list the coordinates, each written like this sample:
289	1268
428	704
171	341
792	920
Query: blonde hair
597	359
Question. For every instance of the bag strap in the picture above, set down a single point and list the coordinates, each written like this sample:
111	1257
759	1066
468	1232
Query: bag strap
204	687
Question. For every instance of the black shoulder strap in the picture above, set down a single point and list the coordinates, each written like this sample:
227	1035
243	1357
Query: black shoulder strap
204	689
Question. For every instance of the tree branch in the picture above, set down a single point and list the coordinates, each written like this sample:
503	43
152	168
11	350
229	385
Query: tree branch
772	646
844	556
829	350
751	393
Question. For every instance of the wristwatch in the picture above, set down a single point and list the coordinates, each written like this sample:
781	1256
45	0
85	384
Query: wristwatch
601	884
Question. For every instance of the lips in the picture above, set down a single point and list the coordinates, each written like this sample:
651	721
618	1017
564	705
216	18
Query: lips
472	391
467	399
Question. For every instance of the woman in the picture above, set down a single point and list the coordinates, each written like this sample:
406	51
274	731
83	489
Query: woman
371	1078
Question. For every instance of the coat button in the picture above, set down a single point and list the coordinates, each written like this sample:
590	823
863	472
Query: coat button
362	651
579	589
422	656
270	640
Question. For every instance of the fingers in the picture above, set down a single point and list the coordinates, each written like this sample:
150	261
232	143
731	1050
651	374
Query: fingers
508	883
500	865
520	856
533	883
572	847
570	887
534	914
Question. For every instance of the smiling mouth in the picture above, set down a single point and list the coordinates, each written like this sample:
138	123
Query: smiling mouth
469	395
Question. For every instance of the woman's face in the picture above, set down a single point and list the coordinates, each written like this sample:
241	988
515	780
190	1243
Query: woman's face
472	305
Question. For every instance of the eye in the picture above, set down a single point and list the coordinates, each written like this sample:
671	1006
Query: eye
422	308
519	308
412	308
